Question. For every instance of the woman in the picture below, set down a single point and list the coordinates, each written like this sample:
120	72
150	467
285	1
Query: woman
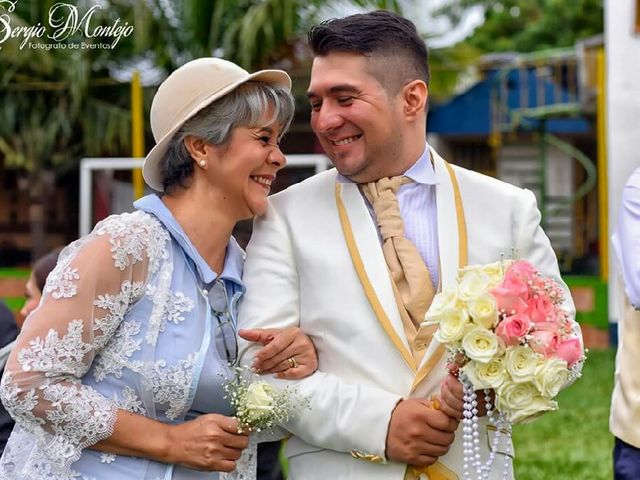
118	373
36	282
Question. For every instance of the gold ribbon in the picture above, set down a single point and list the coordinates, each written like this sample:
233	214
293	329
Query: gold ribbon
437	471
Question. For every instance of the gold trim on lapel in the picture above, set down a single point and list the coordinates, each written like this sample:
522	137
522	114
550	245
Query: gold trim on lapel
426	367
366	283
463	253
433	356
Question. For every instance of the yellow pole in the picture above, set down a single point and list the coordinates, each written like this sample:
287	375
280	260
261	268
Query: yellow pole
137	132
603	201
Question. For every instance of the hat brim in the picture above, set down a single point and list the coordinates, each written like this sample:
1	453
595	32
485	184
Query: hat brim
151	167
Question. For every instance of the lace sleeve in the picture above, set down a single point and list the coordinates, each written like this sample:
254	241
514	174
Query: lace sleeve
84	302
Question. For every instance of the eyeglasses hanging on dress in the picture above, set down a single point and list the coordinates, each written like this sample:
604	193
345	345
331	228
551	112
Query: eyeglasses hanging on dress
225	335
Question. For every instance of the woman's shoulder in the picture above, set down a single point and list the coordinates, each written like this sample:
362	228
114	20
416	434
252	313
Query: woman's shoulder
130	238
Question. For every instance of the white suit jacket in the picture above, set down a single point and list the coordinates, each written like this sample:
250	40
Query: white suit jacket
315	261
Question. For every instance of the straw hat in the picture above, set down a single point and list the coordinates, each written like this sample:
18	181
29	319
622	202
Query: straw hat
187	91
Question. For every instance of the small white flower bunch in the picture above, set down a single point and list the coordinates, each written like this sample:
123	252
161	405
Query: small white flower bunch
258	405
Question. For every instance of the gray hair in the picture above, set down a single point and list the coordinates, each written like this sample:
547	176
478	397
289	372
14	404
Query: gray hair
245	106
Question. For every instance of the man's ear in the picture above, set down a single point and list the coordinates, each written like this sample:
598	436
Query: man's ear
415	95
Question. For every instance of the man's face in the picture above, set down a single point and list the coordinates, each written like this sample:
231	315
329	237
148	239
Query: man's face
358	124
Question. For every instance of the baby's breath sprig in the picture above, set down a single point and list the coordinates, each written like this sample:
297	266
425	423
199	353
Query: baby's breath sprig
259	405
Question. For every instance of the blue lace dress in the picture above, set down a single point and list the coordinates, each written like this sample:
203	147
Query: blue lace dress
124	323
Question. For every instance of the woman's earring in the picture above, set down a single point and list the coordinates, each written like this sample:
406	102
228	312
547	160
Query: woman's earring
203	163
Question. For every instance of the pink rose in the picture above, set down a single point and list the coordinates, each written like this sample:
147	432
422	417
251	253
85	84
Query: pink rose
540	308
512	329
570	351
523	269
512	294
544	342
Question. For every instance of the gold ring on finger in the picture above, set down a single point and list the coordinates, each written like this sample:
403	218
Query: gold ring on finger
292	362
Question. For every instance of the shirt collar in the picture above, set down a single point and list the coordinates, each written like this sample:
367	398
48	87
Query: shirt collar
234	256
420	172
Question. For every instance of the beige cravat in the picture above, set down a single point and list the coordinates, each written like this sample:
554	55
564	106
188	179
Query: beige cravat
408	270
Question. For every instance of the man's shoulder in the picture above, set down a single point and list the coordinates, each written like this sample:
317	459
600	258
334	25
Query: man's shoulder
320	182
482	184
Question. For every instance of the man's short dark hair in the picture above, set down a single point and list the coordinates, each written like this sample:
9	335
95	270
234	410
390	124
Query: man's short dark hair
379	34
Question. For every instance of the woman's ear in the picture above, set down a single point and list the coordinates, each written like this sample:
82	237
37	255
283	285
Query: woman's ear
199	149
415	96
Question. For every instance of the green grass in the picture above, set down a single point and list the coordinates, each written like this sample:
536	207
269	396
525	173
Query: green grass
573	442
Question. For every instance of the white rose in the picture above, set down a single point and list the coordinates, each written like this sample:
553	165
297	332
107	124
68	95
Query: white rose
443	301
521	363
483	311
473	284
522	402
550	376
486	375
495	271
493	373
452	325
259	401
480	344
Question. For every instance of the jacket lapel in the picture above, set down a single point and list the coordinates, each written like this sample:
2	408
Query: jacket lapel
364	247
451	226
448	235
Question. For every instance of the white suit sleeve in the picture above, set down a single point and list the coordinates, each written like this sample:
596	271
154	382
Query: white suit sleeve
342	416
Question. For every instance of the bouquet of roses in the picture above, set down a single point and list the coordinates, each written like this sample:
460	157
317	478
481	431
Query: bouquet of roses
506	332
505	329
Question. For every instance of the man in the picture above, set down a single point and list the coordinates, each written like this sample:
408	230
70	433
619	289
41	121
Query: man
354	258
625	403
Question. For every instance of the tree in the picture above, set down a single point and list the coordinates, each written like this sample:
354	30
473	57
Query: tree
529	25
58	104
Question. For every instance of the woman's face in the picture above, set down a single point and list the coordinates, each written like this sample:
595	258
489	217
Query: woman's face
246	166
32	294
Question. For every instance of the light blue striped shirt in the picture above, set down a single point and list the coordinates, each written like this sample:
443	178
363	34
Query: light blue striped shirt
626	239
417	203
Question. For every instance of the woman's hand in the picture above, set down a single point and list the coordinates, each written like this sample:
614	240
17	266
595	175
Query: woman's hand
288	353
210	442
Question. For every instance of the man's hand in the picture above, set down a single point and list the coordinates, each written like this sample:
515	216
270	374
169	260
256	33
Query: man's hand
452	397
418	433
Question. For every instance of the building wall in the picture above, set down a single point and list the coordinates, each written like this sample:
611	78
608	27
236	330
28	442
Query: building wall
622	107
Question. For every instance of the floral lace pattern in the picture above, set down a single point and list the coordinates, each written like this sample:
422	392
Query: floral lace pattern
116	354
117	306
168	307
158	294
131	239
130	401
54	354
64	383
19	403
170	385
79	414
60	284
